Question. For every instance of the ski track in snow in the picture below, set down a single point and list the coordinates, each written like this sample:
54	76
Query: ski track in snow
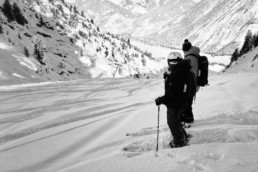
224	128
95	103
36	114
75	125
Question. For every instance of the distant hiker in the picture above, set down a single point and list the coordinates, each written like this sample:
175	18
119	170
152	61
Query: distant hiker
190	52
177	94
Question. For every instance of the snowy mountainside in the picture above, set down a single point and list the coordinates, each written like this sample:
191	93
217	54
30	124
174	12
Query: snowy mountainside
216	26
135	17
246	63
74	47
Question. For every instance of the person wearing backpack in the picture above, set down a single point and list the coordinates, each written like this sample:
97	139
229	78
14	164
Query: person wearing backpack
199	66
177	94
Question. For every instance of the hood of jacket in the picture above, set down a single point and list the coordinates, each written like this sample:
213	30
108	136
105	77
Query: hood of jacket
182	66
193	50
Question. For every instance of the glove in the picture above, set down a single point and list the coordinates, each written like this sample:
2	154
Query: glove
165	75
158	101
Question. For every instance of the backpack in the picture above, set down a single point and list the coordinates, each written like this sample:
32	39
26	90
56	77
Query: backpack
203	63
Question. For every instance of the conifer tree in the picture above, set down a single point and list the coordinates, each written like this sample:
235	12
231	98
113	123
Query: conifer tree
39	51
26	52
41	21
82	14
75	10
60	7
92	21
1	28
7	11
128	42
255	40
18	15
247	46
234	56
51	1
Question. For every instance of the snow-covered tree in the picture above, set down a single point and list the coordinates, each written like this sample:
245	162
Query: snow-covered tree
39	50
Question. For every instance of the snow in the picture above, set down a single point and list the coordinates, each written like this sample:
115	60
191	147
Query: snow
110	125
5	46
245	63
219	59
18	75
162	53
216	68
156	51
70	1
2	76
25	61
101	69
117	2
41	9
139	10
15	87
86	61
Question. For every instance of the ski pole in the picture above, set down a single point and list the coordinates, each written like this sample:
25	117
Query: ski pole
157	149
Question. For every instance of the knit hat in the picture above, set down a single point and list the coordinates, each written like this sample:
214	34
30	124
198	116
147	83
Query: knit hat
186	45
174	57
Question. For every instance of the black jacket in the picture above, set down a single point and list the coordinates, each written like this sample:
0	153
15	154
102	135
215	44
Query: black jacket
179	86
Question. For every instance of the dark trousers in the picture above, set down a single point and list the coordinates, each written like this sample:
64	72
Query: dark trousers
187	116
175	125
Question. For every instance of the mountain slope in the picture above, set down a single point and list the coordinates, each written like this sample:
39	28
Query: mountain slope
135	17
246	63
216	26
73	47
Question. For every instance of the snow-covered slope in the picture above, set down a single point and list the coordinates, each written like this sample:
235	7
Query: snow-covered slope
110	125
216	63
74	47
246	63
216	26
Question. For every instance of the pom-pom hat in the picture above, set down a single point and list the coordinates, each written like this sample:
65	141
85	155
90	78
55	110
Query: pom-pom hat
186	45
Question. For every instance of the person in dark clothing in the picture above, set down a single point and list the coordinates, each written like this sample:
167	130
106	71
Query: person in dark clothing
189	52
177	95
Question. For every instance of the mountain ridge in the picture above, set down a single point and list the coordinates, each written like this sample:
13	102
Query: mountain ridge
119	19
218	26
